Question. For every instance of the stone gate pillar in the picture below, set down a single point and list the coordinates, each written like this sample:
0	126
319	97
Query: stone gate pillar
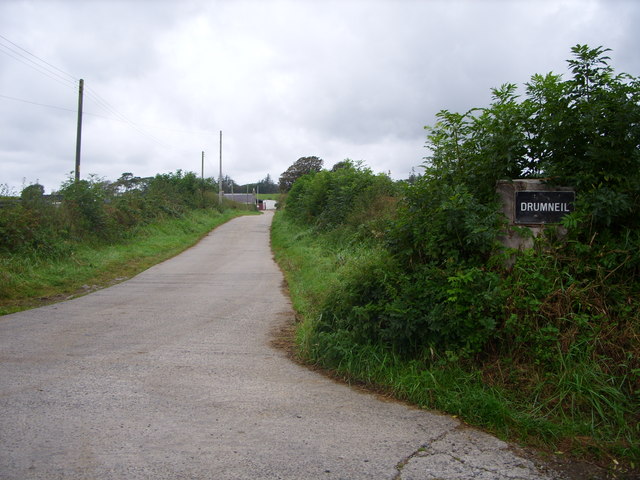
532	204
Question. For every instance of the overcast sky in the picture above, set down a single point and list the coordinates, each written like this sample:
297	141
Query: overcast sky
281	79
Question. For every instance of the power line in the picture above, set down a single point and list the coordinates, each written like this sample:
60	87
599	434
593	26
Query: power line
111	118
122	118
118	117
59	75
126	121
14	51
35	67
102	103
56	107
74	79
36	103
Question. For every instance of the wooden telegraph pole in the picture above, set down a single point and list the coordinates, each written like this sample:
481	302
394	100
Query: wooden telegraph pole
202	179
79	131
220	177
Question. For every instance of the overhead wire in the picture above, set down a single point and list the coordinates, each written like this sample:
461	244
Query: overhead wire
117	118
36	103
14	51
24	56
67	74
57	107
109	108
122	118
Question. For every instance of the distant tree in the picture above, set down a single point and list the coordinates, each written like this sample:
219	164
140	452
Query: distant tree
229	185
413	177
6	190
342	196
267	185
33	195
343	164
128	182
301	167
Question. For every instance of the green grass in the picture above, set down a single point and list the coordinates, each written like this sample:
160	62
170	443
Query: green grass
577	409
27	282
268	196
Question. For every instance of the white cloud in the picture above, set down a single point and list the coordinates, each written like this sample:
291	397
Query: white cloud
282	79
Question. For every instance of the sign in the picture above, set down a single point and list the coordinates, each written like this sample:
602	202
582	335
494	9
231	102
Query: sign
543	207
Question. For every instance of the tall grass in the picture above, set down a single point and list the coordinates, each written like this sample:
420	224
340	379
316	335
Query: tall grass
293	247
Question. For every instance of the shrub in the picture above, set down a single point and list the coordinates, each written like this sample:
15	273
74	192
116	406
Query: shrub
559	328
337	198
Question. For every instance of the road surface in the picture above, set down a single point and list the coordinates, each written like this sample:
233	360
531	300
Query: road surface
171	375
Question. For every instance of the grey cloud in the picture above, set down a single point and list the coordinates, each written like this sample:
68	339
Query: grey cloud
282	79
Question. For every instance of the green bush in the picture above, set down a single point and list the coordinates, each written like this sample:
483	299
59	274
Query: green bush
172	193
557	326
449	271
96	210
337	198
30	226
83	209
410	312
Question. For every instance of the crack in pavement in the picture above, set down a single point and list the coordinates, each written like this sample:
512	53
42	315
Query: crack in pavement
401	464
464	453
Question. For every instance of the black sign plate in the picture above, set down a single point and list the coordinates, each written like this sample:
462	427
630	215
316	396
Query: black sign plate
543	207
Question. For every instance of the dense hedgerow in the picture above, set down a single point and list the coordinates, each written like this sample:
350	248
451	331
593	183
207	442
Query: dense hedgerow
348	195
95	210
93	231
558	325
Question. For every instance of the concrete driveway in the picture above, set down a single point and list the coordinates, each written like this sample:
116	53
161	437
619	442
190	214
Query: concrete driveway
170	375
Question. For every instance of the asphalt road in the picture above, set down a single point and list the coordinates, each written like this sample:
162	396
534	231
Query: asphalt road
171	375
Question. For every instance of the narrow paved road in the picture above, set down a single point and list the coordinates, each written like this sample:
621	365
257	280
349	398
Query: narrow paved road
170	375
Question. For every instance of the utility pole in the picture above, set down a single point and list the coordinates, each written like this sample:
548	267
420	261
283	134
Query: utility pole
220	177
202	178
79	131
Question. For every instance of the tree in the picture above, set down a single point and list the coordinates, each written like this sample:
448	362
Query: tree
128	182
582	132
83	205
33	196
229	185
339	197
302	166
267	185
343	164
587	135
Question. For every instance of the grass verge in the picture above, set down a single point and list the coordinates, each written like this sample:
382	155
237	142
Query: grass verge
314	264
32	281
269	196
